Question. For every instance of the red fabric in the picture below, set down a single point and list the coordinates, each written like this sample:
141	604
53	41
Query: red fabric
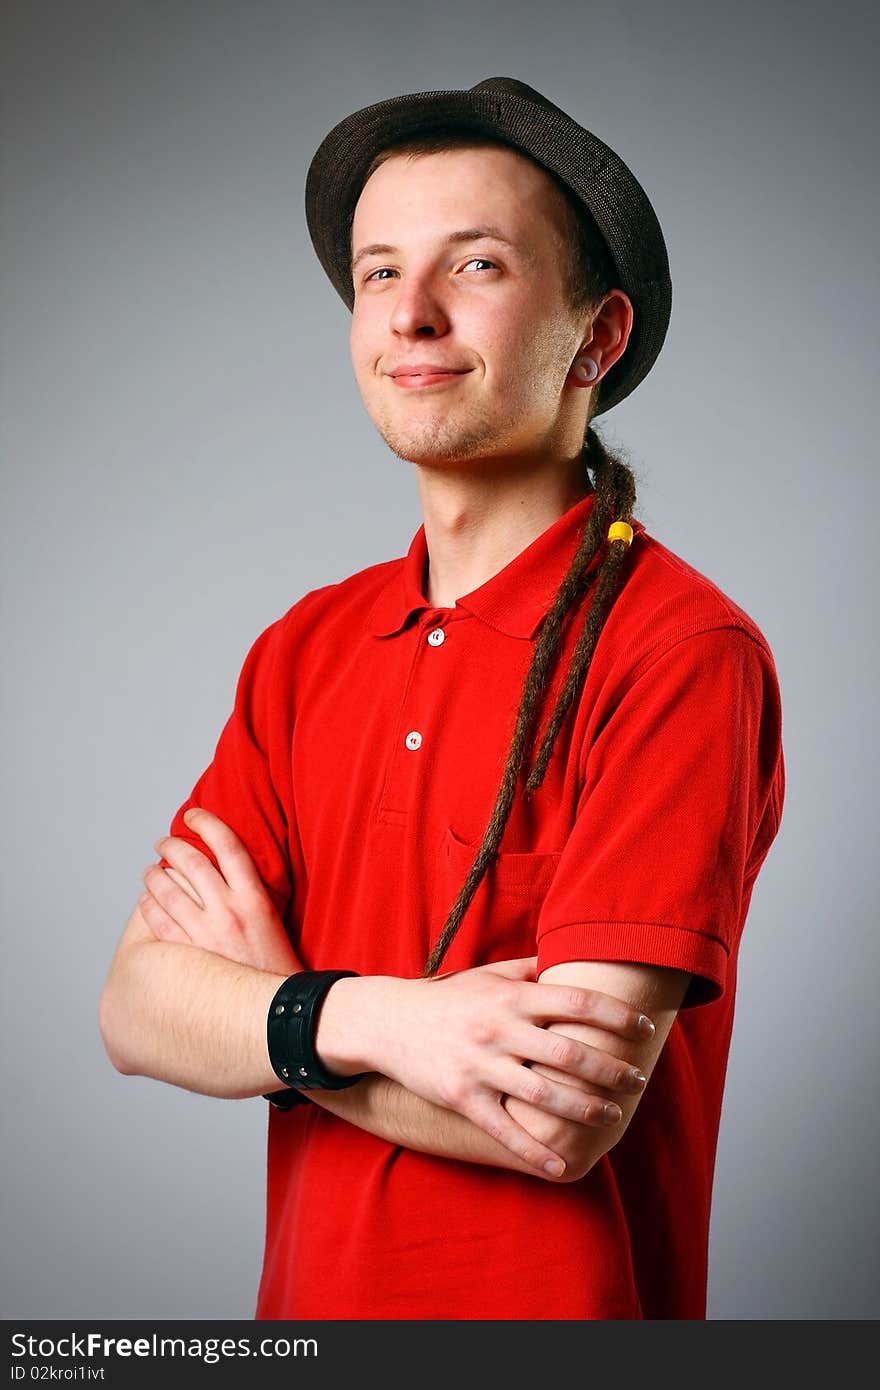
659	805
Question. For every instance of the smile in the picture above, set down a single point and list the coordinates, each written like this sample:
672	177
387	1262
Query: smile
419	380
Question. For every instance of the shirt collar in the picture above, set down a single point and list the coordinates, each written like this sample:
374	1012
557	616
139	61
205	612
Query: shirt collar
514	601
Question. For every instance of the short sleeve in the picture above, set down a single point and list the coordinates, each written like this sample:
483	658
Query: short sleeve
681	797
247	781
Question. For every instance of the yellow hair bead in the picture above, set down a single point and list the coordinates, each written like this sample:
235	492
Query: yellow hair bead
620	531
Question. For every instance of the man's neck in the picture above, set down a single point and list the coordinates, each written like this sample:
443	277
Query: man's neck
474	526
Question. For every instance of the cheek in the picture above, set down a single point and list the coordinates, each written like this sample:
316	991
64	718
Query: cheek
363	354
527	360
520	337
551	350
504	340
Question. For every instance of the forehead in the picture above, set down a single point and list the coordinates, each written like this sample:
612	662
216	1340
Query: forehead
461	186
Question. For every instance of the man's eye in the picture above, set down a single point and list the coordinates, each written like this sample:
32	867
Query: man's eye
382	271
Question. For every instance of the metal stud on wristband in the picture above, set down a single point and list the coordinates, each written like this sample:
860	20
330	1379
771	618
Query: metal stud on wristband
290	1033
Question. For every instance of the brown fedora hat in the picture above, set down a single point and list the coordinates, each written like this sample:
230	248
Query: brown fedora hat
515	113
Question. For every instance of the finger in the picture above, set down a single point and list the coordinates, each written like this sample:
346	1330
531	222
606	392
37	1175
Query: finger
489	1114
206	882
580	1059
160	924
556	1098
178	905
233	856
185	885
586	1006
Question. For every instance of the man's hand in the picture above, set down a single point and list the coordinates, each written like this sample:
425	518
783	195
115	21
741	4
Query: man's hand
464	1041
229	913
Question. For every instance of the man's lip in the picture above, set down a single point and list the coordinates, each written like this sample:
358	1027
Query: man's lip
424	381
428	369
422	376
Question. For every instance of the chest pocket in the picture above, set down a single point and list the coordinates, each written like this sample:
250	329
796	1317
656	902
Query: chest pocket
500	921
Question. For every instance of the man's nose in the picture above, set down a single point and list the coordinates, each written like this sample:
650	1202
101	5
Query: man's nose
418	309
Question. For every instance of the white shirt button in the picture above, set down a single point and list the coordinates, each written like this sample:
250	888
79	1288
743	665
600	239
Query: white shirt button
414	740
436	636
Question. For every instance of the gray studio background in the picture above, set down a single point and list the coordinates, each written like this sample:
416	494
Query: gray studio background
185	454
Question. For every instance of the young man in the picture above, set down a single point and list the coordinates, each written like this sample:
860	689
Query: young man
463	887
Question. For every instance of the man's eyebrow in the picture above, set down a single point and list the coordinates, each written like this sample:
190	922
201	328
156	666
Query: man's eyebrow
380	248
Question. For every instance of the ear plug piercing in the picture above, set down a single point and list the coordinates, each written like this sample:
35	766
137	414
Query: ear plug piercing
586	369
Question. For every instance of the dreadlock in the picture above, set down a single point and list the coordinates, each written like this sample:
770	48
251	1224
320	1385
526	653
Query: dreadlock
589	275
615	499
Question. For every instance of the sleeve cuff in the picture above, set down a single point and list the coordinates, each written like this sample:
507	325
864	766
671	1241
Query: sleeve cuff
648	943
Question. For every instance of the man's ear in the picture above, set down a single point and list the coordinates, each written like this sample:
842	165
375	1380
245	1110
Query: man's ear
609	332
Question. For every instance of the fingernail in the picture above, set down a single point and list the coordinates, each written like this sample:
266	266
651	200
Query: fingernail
554	1166
646	1026
638	1076
612	1113
189	812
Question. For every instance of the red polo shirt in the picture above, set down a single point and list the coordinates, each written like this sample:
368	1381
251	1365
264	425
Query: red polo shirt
360	765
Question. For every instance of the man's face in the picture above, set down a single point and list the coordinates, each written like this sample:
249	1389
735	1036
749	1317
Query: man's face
464	271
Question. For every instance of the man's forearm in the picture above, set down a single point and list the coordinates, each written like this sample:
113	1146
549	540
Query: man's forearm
187	1016
385	1108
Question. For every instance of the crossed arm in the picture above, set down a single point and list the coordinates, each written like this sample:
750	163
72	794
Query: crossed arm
204	952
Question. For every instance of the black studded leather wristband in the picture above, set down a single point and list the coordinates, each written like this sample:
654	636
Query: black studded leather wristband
290	1032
